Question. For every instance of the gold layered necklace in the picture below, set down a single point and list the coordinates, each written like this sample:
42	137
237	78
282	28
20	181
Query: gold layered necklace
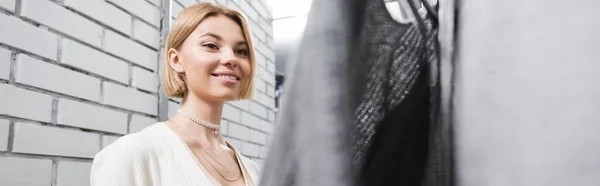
228	172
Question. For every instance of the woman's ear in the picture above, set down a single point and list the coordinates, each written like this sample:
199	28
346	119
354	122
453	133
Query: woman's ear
175	61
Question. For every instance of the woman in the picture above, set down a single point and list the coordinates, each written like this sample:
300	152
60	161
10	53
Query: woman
209	60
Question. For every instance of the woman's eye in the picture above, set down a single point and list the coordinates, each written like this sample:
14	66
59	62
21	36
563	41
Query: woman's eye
242	52
211	46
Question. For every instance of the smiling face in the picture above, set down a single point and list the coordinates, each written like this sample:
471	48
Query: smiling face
215	59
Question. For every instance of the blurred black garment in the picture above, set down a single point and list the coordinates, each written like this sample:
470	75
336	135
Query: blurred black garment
362	102
397	137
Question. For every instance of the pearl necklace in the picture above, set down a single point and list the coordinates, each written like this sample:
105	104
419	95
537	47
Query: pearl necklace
201	122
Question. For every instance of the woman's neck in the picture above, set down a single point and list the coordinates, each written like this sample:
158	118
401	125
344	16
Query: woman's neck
206	110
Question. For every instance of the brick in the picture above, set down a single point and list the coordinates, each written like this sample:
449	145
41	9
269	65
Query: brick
8	5
270	43
37	139
260	9
172	106
208	1
267	76
94	61
82	115
270	66
187	3
25	36
138	123
51	77
250	149
258	109
249	10
145	80
31	105
268	101
141	9
229	2
271	115
267	26
224	127
5	59
4	128
258	35
155	2
260	84
261	61
107	140
130	50
57	17
129	98
24	171
250	120
237	144
176	9
231	113
103	12
238	131
145	33
258	137
73	173
271	91
243	104
264	151
267	126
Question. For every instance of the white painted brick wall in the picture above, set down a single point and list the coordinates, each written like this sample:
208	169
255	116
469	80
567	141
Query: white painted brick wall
155	2
57	17
258	137
177	8
258	109
24	36
37	139
251	150
8	5
87	73
103	12
249	10
107	140
139	122
84	74
129	98
250	120
187	3
224	127
82	115
94	61
26	104
73	173
142	9
25	171
146	33
51	77
238	131
231	113
130	50
4	127
144	80
5	59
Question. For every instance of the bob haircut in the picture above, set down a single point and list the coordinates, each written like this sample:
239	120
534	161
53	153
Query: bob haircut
173	82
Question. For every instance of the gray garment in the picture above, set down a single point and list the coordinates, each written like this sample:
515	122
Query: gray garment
527	93
311	146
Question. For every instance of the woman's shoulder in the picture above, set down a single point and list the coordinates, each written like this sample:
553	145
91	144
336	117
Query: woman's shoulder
132	146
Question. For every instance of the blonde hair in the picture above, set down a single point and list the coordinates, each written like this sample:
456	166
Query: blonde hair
173	82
